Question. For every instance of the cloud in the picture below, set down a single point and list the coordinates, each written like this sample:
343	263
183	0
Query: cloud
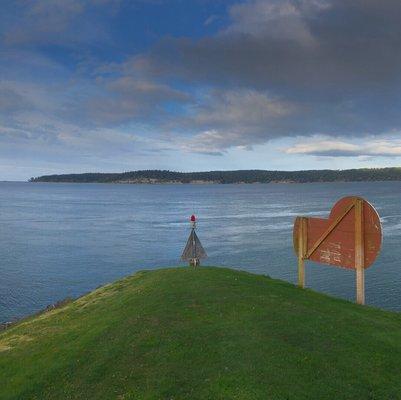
11	101
221	119
330	148
62	139
335	60
276	69
83	118
294	45
57	22
126	98
279	19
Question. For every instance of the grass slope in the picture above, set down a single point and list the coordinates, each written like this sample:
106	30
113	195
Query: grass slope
208	333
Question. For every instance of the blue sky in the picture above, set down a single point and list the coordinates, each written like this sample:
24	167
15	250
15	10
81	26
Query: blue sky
117	85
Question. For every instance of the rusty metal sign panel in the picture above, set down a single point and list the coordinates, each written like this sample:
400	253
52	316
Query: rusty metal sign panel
350	238
336	246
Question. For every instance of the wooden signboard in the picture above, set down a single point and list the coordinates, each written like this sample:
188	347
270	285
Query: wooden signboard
350	238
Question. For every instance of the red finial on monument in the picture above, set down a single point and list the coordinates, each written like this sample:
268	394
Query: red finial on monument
193	251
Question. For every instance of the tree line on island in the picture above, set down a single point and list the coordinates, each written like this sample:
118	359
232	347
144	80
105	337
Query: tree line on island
224	177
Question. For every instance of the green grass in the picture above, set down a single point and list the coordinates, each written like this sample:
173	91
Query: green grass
207	333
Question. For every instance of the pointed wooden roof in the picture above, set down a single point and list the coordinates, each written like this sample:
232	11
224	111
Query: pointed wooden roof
193	248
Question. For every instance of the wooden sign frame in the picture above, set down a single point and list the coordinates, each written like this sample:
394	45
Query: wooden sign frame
358	204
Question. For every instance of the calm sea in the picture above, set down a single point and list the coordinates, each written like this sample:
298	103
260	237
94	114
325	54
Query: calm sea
60	240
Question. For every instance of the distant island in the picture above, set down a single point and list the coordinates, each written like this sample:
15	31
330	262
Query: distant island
225	177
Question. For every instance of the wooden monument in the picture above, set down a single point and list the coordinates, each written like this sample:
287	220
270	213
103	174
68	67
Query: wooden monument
350	238
194	250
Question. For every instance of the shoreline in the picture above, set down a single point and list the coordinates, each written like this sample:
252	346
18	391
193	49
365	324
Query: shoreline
228	177
209	182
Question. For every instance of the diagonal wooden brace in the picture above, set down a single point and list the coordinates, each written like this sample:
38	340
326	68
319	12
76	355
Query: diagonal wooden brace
329	230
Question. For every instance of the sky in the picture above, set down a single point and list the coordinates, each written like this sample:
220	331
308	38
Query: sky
198	85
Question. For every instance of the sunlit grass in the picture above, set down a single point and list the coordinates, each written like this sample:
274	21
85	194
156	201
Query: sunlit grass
206	333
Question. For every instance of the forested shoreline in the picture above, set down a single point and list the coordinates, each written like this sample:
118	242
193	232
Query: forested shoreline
226	177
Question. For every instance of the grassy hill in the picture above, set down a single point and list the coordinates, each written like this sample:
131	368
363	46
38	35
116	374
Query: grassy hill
208	333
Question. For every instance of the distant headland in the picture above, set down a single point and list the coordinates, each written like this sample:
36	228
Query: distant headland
226	177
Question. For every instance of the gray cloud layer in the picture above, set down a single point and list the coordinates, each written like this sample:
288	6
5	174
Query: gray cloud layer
334	64
295	45
278	69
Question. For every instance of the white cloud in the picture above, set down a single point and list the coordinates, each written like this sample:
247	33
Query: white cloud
280	19
337	148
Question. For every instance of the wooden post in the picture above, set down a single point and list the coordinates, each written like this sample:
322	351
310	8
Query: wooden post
359	252
302	245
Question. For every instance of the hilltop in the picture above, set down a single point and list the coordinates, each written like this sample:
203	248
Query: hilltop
207	333
240	176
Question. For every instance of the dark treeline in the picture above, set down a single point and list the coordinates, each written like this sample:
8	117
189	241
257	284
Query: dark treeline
242	176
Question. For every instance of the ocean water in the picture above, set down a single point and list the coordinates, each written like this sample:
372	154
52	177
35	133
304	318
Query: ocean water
60	240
